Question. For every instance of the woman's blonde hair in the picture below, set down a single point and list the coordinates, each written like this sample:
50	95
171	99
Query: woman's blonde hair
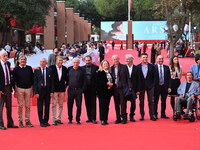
101	65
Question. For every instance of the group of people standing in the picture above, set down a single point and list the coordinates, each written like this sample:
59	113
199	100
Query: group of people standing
123	82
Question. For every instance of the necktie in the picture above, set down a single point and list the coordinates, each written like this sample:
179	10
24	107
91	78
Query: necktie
7	78
161	76
43	81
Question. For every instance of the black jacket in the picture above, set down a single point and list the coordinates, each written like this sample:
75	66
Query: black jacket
2	77
167	78
60	86
149	82
94	69
38	80
123	76
102	87
134	80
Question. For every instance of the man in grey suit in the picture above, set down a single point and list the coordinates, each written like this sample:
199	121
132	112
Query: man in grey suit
52	57
187	92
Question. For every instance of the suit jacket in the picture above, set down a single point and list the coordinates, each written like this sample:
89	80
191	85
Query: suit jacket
195	72
60	86
123	76
101	50
167	77
2	77
149	82
51	60
102	87
94	69
38	80
194	89
134	80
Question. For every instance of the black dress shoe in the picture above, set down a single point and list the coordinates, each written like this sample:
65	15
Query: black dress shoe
164	116
106	122
12	126
153	118
59	122
78	122
124	121
132	119
70	122
117	121
88	120
42	125
142	118
103	123
94	121
47	124
2	128
54	123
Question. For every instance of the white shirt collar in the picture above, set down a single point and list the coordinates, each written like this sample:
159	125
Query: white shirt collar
22	67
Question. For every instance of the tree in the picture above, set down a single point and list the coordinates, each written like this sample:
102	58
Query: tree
112	10
27	12
143	10
176	12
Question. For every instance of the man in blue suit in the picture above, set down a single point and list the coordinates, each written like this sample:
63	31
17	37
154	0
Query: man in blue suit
187	91
195	69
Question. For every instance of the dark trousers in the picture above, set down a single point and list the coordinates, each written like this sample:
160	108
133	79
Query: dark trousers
43	104
132	109
160	91
104	108
120	102
7	99
150	93
101	58
77	95
90	102
172	102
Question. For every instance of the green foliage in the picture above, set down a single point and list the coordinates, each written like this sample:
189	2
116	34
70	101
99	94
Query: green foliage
112	9
75	3
143	10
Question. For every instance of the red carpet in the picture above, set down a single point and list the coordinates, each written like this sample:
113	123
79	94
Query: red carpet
141	135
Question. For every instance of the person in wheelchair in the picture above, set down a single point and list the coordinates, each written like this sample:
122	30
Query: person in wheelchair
187	92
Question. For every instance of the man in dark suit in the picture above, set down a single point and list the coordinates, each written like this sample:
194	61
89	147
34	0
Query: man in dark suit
43	86
101	52
162	86
77	85
134	84
60	78
120	74
90	92
5	90
147	76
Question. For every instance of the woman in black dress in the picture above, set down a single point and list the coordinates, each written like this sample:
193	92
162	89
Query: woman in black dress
176	74
104	90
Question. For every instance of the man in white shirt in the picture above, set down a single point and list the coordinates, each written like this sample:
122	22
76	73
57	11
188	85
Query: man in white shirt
5	91
60	78
134	84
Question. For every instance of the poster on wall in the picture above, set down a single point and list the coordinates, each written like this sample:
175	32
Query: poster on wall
142	30
114	30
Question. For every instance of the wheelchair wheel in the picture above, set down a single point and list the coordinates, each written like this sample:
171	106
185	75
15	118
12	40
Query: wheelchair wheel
192	118
197	109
